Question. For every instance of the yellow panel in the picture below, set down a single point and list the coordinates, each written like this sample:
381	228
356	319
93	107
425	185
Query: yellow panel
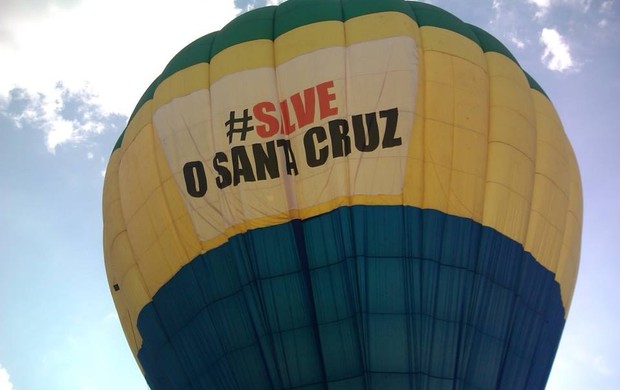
307	39
468	174
185	235
413	190
154	268
141	232
114	221
111	191
511	128
383	25
551	162
469	159
544	241
568	265
138	174
179	231
456	121
172	249
449	42
437	164
512	149
511	169
122	258
551	189
134	296
439	87
182	222
157	216
471	97
240	57
504	207
141	119
554	232
119	258
138	181
181	83
379	25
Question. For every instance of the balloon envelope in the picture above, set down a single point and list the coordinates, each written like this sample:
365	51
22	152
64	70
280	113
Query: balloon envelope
343	195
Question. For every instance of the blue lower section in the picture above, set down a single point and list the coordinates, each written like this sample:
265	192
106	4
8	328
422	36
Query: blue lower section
363	297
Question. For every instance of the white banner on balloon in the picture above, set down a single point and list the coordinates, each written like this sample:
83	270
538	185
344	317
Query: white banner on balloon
269	142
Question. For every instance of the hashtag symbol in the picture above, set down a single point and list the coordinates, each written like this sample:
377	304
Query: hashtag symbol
238	125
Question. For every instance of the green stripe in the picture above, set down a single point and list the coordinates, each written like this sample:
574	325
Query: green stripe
355	8
194	53
429	15
294	14
489	43
253	25
271	22
534	84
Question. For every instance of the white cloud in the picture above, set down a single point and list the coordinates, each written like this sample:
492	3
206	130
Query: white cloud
64	115
60	132
557	55
5	380
103	44
606	6
518	42
606	10
99	47
497	11
585	5
541	3
542	7
247	5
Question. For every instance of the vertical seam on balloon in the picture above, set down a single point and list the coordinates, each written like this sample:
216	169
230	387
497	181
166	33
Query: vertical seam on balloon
346	53
220	195
450	191
284	179
554	262
157	170
469	318
259	286
360	326
574	179
258	294
133	322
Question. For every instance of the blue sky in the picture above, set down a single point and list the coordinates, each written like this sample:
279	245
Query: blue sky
71	72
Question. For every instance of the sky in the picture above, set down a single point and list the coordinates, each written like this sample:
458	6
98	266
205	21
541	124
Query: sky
71	72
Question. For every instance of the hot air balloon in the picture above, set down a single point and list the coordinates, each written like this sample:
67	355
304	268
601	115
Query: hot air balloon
343	195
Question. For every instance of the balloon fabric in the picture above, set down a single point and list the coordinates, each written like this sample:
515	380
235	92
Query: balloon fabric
339	194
